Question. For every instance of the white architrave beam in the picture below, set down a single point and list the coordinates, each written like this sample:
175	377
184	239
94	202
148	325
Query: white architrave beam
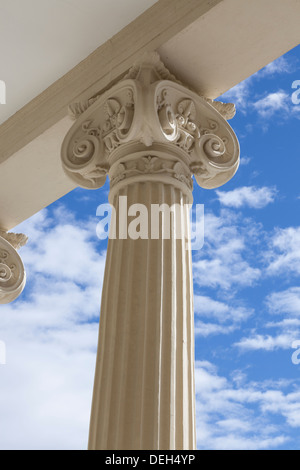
106	64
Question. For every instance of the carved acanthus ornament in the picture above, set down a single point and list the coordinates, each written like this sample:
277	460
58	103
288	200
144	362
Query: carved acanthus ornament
12	273
144	127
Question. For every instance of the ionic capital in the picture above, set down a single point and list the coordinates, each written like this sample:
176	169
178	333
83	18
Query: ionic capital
150	126
12	272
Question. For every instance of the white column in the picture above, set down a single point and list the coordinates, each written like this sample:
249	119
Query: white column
144	395
150	134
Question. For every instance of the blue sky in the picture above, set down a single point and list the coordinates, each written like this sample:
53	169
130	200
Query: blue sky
247	296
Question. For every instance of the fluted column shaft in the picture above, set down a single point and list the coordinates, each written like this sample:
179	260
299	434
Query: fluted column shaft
144	384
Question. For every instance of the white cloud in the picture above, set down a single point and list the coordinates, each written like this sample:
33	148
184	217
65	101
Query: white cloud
273	103
241	94
286	302
245	161
214	273
283	256
206	329
287	324
287	405
227	317
267	342
231	416
207	307
223	262
278	66
249	196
